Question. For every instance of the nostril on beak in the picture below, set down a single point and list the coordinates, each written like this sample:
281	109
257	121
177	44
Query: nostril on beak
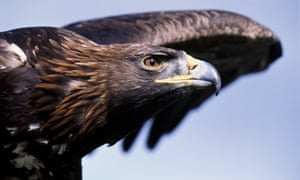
193	67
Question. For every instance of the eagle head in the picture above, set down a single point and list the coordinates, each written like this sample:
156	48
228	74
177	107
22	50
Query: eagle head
143	79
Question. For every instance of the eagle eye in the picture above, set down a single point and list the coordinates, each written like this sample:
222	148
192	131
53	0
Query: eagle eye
155	61
151	62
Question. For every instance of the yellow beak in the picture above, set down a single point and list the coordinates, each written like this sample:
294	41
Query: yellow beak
201	74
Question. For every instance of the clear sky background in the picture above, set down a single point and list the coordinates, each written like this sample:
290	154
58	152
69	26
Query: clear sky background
251	131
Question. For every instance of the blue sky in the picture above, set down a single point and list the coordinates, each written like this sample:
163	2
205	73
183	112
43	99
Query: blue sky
251	131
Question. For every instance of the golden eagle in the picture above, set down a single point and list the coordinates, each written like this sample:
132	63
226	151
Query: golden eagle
234	44
65	91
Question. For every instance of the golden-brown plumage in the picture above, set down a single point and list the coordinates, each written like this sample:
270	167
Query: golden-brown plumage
70	95
62	95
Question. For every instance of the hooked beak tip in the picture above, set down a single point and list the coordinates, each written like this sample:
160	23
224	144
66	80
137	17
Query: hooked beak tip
209	73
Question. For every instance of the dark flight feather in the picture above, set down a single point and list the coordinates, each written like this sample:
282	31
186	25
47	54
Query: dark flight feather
235	44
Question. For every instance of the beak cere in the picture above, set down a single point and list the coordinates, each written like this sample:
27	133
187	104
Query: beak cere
204	73
201	74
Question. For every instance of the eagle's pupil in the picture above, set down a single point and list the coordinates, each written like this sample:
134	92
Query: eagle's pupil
152	62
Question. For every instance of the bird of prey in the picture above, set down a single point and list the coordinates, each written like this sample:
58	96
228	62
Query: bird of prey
233	43
63	95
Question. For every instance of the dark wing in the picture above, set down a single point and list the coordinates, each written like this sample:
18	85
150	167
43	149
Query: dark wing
235	44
